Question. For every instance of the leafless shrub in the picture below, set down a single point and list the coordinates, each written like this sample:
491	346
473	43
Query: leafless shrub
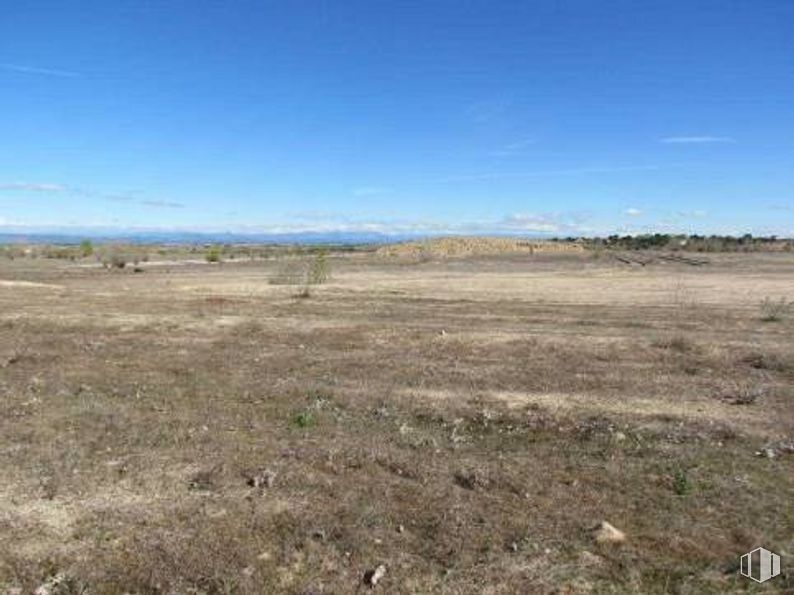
302	272
118	261
290	272
682	305
741	393
675	342
319	269
764	361
304	293
681	297
774	310
113	259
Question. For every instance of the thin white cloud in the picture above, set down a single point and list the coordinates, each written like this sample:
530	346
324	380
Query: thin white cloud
529	223
118	198
32	187
632	212
162	204
370	191
316	215
577	171
486	111
694	214
513	149
696	140
40	71
515	224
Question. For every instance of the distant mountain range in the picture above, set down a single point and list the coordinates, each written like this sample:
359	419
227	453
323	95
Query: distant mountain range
191	237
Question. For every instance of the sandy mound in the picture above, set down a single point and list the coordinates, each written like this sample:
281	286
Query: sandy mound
473	246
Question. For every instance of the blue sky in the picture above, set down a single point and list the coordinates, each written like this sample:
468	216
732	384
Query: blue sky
561	117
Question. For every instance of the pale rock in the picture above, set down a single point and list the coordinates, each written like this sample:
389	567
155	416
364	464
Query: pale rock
607	533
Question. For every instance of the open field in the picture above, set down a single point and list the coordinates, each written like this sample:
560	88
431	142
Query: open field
466	423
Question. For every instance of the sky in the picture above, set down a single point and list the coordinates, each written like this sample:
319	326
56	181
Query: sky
550	117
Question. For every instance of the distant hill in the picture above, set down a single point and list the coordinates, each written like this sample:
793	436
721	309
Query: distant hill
474	246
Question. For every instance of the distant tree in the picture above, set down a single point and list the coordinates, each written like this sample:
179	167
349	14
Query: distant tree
213	254
320	269
86	248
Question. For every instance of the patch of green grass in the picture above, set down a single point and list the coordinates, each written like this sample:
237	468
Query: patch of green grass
681	483
305	419
213	254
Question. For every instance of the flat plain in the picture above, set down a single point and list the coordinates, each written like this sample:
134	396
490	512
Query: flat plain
468	423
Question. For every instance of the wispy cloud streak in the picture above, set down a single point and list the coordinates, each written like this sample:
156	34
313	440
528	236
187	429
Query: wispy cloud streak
512	149
40	71
32	187
363	191
578	171
517	224
696	140
162	204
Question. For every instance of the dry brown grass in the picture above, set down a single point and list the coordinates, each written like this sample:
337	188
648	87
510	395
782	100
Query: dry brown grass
466	425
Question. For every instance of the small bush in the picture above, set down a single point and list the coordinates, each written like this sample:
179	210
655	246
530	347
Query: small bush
320	269
113	258
304	419
774	310
118	261
681	483
213	254
86	248
676	342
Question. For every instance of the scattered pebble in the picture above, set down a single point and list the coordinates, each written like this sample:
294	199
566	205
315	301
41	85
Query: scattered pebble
775	450
201	481
769	453
590	559
50	586
262	479
372	577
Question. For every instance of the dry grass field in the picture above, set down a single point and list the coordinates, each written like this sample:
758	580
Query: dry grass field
466	423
